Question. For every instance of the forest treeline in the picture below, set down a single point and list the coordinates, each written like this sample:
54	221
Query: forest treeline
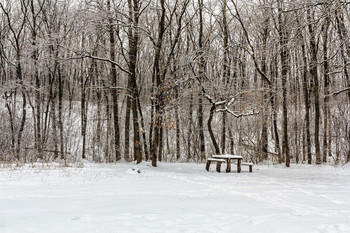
175	80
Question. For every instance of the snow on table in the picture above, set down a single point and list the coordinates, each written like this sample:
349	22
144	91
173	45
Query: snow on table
228	156
174	198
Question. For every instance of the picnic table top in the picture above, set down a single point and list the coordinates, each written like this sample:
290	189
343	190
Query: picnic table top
228	156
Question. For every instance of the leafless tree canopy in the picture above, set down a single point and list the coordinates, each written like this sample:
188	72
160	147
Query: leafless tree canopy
175	80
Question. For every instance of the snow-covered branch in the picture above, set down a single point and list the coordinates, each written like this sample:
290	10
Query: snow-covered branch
226	104
338	92
106	60
238	115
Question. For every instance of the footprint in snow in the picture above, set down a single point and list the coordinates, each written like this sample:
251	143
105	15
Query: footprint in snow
134	170
76	218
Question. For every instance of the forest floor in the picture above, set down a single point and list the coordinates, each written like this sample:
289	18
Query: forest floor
173	197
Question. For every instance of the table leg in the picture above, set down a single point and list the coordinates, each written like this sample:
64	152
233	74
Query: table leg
228	168
239	165
208	165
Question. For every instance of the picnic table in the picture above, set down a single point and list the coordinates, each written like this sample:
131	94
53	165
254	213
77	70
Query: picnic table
219	159
228	159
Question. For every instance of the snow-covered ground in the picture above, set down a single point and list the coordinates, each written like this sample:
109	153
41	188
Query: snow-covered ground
173	198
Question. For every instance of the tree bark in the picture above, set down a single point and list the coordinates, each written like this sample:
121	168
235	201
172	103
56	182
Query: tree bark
345	48
212	136
283	39
326	88
177	125
189	133
306	98
143	131
133	37
83	111
60	113
264	131
127	123
38	129
314	75
113	77
226	73
158	79
201	77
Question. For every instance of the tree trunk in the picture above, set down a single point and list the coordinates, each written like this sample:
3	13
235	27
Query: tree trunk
306	100
283	40
83	103
189	133
201	77
314	75
326	88
54	124
345	48
23	121
109	128
158	79
274	107
113	77
226	73
143	131
133	37
13	137
232	142
60	113
127	124
212	136
264	131
177	125
161	144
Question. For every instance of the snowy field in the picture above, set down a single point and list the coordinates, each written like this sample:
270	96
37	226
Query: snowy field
173	198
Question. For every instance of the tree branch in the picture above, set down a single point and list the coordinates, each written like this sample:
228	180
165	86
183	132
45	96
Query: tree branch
238	115
101	59
337	92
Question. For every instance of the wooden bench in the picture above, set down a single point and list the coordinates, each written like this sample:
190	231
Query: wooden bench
250	166
218	163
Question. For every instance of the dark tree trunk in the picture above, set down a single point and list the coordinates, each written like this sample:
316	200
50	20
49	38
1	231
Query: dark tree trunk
158	79
24	101
127	124
201	77
143	131
223	132
226	73
201	129
160	145
83	111
264	131
345	48
306	101
189	133
109	128
133	37
283	40
113	77
212	136
23	121
232	142
53	90
177	125
314	75
35	53
60	113
326	89
13	136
